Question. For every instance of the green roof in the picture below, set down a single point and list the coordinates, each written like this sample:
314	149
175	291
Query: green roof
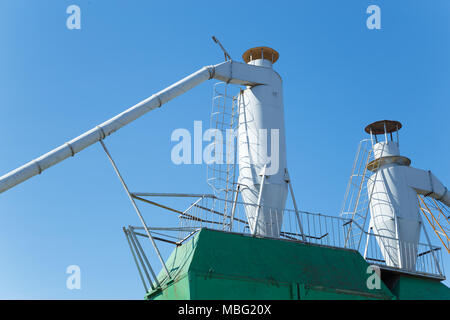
216	265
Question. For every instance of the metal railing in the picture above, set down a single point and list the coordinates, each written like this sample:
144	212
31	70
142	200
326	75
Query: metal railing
416	258
313	228
206	211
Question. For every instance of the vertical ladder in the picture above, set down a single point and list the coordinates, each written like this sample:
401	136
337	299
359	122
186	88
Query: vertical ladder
357	197
222	176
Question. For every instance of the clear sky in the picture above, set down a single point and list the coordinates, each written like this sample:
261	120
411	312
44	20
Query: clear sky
57	83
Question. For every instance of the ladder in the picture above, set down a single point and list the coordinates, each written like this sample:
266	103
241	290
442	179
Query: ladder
221	176
357	197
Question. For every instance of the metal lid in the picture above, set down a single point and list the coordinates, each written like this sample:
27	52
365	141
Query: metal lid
261	53
380	127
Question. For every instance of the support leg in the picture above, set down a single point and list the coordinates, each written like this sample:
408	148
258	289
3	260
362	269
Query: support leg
258	208
136	208
295	206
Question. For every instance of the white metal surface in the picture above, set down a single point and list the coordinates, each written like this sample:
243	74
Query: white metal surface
386	149
394	212
261	139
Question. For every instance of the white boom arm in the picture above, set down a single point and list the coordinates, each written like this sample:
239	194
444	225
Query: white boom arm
230	72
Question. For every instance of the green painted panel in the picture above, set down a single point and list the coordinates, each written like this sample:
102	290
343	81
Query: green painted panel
222	265
414	288
178	265
321	293
277	261
209	287
178	290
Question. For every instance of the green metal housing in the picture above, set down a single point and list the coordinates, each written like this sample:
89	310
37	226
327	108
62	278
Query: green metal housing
407	287
215	265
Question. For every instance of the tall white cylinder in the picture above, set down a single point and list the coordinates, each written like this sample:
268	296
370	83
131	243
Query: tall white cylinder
261	140
386	149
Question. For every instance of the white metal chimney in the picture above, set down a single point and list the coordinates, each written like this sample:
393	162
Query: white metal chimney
262	148
394	206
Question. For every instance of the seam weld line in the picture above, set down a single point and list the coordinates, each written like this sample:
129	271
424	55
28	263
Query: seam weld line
70	147
102	133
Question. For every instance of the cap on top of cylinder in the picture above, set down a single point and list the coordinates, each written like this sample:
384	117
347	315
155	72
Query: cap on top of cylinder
261	53
383	126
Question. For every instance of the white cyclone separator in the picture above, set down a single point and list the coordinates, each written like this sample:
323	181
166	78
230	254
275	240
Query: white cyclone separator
394	206
262	154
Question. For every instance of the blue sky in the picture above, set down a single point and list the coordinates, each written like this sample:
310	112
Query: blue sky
57	83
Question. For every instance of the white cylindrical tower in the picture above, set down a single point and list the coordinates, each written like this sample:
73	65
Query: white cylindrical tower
262	148
393	203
